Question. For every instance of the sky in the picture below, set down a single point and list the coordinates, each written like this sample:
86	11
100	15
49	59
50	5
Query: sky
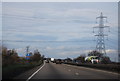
60	1
58	29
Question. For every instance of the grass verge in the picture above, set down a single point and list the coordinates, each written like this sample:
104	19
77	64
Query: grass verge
13	70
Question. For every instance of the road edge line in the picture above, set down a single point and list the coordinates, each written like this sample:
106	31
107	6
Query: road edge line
35	72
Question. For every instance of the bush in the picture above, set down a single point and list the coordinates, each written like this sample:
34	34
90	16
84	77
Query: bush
80	59
105	60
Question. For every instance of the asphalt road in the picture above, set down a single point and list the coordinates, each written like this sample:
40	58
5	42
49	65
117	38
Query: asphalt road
64	71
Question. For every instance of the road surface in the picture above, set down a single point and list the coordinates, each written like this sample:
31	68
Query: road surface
64	71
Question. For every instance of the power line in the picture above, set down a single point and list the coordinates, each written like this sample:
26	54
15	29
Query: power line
33	18
40	41
14	31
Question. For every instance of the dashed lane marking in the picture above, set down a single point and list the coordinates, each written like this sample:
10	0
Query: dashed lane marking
76	73
94	69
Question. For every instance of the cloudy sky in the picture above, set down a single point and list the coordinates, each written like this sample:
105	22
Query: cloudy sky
58	29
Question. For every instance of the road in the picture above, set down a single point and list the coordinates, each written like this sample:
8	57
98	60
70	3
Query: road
64	71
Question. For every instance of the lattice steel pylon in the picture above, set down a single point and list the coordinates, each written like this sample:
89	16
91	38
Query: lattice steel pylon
100	46
27	49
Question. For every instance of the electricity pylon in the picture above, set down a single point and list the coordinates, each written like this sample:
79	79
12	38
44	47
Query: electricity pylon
27	49
100	46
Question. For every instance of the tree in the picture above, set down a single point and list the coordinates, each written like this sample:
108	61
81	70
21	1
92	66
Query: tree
42	57
9	56
80	58
14	56
105	60
36	56
95	53
68	60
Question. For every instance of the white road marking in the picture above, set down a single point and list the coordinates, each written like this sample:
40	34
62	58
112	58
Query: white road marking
94	69
35	72
76	73
69	70
68	65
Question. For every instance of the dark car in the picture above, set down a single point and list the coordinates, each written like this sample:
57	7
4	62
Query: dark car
58	61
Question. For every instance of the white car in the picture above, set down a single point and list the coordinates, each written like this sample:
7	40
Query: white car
95	60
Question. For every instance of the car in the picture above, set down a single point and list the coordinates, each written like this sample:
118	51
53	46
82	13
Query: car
92	59
58	61
100	60
47	61
95	60
89	58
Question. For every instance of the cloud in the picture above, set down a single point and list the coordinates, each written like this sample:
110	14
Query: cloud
45	14
17	12
87	51
67	53
37	19
111	51
59	22
63	47
108	51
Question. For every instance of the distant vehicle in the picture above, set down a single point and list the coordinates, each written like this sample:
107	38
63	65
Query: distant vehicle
47	61
77	62
92	59
89	58
97	60
52	59
58	61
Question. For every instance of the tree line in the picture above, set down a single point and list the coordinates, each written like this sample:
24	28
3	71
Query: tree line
10	57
